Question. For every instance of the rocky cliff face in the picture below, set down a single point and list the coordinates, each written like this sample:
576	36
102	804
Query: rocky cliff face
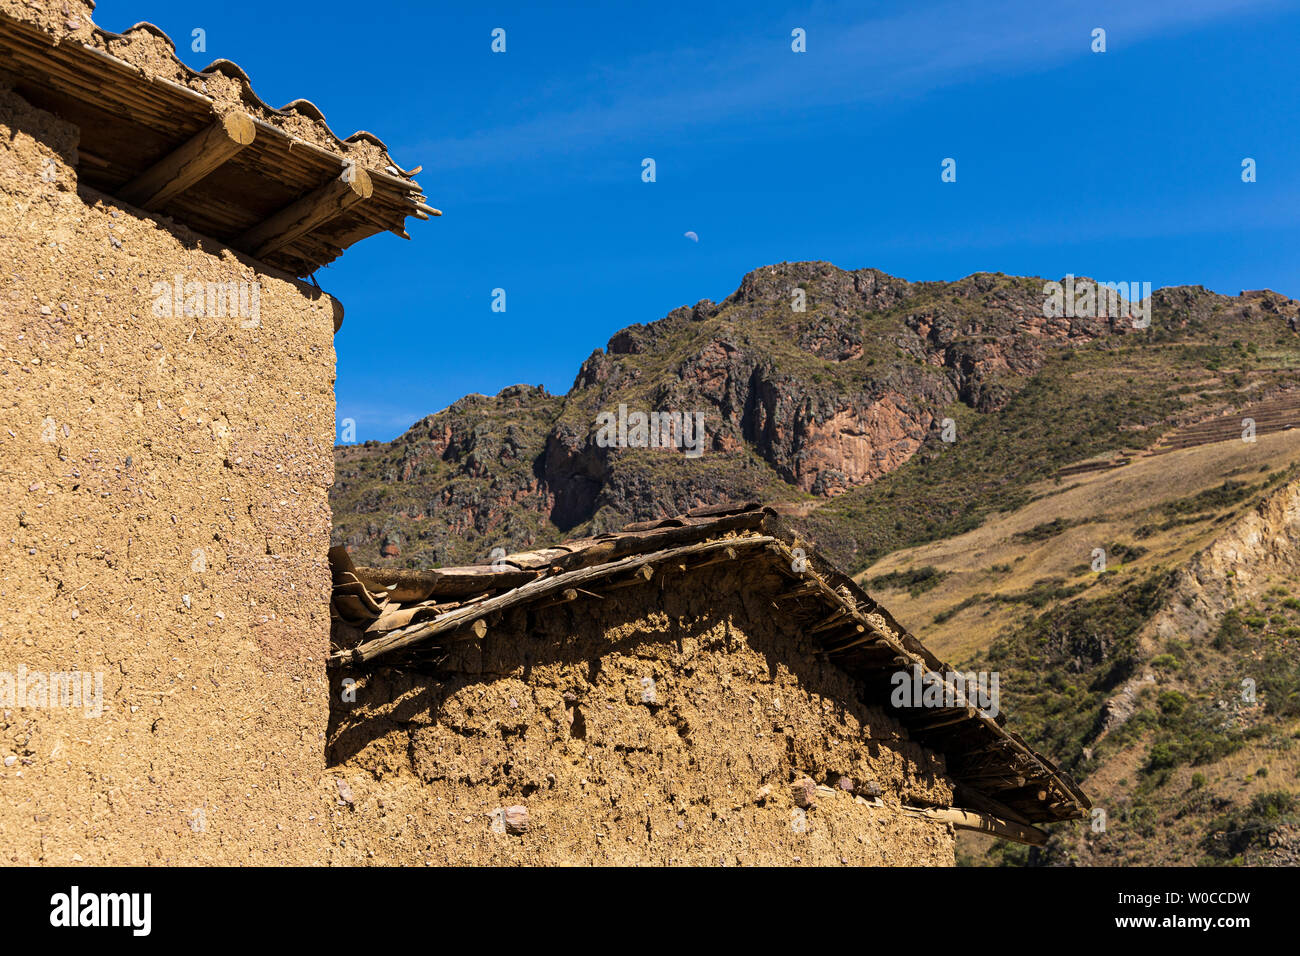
811	381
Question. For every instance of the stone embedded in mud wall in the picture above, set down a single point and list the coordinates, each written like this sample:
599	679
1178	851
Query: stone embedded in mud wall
804	791
516	819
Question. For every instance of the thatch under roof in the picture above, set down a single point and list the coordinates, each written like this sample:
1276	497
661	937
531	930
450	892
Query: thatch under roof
202	147
384	613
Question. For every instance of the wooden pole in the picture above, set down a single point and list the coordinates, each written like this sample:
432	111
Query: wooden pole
570	594
185	166
301	217
642	575
983	822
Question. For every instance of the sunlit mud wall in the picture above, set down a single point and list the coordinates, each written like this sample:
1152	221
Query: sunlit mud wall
688	724
164	460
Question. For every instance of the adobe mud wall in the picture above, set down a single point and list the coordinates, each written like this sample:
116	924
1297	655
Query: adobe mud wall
656	726
163	529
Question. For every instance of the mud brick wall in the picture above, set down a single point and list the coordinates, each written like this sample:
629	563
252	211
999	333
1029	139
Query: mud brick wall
163	524
682	725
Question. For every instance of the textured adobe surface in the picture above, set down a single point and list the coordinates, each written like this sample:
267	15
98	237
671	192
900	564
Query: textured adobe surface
654	726
164	523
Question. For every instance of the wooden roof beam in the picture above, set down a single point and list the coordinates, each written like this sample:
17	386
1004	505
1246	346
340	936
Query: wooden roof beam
301	217
983	822
185	166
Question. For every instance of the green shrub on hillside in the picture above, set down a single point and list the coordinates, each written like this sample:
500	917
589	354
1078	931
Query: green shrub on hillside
915	581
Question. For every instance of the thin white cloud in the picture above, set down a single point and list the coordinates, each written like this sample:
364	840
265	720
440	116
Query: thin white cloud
927	48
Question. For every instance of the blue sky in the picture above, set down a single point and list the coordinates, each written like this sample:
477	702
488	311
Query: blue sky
1123	165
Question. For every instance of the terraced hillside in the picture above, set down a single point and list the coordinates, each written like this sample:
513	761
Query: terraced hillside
1278	413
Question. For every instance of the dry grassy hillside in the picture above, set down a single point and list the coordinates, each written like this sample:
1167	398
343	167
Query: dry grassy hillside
1132	675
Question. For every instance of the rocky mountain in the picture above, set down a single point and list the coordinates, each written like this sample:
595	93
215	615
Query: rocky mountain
813	383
